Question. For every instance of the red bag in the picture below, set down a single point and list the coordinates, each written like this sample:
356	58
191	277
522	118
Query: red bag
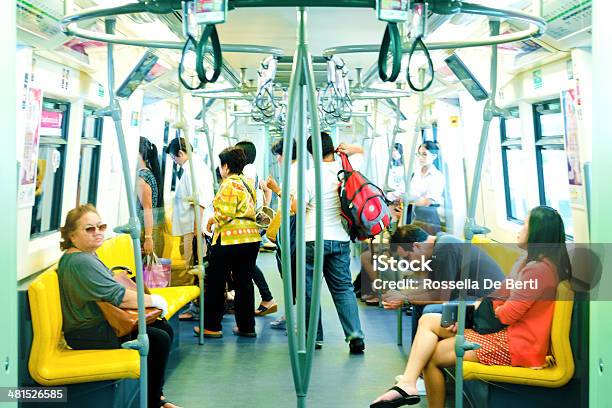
363	205
155	274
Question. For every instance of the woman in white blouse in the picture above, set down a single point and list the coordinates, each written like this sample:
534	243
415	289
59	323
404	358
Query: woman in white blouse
426	187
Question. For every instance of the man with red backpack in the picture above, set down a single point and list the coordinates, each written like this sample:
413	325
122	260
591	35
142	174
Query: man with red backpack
336	263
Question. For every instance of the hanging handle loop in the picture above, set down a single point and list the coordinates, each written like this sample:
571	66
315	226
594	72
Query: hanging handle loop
190	45
210	32
419	41
391	40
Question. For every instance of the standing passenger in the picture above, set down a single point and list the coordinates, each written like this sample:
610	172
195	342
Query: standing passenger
268	305
235	246
277	151
150	198
336	252
183	217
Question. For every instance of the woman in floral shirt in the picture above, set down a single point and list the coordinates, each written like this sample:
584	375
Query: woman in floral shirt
235	247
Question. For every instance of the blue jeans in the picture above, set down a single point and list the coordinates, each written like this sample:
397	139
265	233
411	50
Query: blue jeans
337	273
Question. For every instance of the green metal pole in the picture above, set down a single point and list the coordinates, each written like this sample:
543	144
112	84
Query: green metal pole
301	354
133	227
195	202
317	160
409	165
284	230
470	229
300	244
209	143
392	145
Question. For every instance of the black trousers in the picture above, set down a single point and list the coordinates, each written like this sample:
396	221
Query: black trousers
225	259
160	340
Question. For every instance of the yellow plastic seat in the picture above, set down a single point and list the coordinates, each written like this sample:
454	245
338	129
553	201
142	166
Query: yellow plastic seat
503	254
177	297
560	367
52	362
118	251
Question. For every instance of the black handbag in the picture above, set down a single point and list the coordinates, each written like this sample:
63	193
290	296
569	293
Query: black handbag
485	321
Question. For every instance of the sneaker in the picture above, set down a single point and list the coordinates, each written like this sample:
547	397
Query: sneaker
279	324
318	344
356	346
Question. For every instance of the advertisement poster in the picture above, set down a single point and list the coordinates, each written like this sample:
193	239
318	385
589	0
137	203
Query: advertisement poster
570	106
27	176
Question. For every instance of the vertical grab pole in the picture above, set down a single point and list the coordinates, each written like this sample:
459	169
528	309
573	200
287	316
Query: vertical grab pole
395	132
133	227
317	154
195	202
470	229
302	73
289	133
409	165
300	244
210	145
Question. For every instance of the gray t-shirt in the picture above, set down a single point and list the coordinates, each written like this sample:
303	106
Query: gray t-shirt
83	280
446	263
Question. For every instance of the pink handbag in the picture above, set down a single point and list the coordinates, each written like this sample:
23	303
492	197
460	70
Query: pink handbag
155	274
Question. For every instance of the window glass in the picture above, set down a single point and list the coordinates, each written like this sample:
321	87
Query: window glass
91	137
46	212
552	160
515	164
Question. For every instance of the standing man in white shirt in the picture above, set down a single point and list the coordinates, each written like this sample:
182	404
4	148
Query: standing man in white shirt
183	217
336	247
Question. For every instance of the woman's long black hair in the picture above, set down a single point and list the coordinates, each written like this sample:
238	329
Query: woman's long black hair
546	238
148	152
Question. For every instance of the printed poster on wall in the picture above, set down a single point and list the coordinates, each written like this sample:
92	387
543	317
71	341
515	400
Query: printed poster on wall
28	171
570	105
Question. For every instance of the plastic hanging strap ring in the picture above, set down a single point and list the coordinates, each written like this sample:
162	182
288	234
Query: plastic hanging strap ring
189	44
419	41
391	39
210	32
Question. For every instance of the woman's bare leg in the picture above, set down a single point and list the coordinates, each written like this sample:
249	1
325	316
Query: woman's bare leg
443	356
428	335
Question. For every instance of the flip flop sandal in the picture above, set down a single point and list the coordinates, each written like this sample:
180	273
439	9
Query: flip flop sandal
262	310
192	317
404	399
166	401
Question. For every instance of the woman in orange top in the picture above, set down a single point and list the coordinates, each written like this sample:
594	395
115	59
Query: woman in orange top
527	313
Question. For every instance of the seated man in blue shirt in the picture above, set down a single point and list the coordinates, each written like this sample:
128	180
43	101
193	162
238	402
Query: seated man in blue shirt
443	271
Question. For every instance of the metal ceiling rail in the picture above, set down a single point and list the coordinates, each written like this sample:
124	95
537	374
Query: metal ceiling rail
538	27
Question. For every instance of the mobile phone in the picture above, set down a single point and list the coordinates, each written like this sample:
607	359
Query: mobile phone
450	314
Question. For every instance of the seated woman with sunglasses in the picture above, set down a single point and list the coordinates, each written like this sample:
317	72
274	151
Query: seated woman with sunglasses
527	315
84	280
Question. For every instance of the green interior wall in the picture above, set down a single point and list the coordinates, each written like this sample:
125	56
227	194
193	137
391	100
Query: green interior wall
8	203
601	232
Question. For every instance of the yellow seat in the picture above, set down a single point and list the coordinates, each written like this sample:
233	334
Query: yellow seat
177	297
504	255
52	362
118	251
560	367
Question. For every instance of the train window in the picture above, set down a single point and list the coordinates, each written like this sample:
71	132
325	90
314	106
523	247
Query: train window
515	164
552	160
91	140
47	209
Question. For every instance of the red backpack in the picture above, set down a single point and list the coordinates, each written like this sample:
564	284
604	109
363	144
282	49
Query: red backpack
362	204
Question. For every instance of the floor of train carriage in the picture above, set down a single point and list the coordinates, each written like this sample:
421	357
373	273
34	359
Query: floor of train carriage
242	372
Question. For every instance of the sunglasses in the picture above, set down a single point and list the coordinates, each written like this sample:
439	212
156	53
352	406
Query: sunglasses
91	229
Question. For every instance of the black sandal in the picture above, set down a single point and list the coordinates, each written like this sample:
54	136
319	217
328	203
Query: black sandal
404	399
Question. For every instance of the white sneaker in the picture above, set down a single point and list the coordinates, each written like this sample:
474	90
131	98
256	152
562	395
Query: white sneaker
420	384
